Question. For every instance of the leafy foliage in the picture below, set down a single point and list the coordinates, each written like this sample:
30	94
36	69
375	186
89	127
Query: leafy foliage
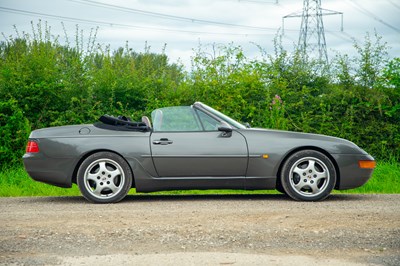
44	83
14	131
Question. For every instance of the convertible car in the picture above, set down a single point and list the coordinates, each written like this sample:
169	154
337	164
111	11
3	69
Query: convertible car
192	147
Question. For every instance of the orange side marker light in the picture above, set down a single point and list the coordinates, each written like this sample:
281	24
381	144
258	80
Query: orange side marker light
367	164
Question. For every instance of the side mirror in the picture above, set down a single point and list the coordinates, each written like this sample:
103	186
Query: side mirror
226	129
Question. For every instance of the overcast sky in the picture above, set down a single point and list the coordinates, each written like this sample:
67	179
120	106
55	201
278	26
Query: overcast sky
183	24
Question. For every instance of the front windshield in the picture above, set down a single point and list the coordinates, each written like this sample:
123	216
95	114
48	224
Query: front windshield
226	118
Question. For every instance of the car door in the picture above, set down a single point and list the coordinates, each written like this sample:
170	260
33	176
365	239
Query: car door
187	143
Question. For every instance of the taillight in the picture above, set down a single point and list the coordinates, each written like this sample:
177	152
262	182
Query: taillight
32	147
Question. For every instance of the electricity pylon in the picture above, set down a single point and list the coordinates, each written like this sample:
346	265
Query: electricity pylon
312	42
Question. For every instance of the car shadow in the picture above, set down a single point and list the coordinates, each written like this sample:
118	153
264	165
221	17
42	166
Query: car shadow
228	197
193	197
203	197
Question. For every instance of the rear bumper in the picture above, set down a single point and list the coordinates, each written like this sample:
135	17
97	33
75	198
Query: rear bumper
351	175
53	171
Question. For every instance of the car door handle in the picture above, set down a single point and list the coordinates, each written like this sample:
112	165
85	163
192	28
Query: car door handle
162	141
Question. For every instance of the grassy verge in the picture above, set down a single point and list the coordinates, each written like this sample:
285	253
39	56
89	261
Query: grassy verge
15	182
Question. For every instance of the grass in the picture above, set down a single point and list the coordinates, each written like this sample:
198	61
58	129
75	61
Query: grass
15	182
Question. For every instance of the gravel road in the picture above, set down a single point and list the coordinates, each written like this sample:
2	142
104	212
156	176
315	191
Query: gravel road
201	230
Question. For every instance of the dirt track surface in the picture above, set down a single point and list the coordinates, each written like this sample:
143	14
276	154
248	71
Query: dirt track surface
201	230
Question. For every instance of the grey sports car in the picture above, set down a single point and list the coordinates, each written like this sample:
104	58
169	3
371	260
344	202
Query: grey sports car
192	147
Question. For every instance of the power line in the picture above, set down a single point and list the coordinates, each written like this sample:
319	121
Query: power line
342	35
370	14
348	36
120	25
393	3
255	1
167	16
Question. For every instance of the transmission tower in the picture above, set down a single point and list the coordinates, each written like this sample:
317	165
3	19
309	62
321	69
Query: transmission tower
312	42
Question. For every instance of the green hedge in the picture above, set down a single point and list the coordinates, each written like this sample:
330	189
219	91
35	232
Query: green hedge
44	83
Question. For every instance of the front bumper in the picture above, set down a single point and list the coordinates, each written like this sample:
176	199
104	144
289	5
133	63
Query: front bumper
350	174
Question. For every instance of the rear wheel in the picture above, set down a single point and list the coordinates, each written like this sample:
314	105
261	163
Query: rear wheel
104	177
308	175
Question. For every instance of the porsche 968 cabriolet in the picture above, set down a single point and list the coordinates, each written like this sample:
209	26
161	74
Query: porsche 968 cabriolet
192	147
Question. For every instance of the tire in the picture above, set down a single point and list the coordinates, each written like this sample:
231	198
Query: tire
104	177
308	175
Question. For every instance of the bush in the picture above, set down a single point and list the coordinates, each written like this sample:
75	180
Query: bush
14	132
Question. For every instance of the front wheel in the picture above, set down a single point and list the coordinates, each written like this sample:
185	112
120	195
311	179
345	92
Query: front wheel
104	177
308	175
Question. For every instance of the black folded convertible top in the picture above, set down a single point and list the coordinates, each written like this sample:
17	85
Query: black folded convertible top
120	123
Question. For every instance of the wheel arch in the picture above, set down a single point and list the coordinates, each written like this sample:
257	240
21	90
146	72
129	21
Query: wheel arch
290	153
86	155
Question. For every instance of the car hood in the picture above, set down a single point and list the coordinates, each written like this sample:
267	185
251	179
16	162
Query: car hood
293	140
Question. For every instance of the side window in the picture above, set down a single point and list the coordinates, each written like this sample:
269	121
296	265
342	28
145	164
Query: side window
180	118
209	123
